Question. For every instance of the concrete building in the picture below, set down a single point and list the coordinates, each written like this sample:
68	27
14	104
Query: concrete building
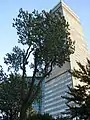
56	85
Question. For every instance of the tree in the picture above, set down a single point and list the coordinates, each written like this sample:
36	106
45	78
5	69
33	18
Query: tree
3	75
78	101
62	118
10	99
10	95
44	35
41	117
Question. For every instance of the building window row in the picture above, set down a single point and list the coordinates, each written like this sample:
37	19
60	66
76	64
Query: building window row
57	97
60	82
65	75
56	89
56	93
55	103
55	108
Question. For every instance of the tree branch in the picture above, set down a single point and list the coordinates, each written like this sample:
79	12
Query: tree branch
29	54
27	50
33	80
38	86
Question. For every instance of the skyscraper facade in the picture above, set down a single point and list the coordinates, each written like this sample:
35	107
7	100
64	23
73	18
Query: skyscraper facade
56	85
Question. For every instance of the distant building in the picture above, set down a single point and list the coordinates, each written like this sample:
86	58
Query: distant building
56	85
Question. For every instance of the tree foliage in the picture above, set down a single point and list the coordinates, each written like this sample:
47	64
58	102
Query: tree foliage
45	117
3	75
10	96
41	117
46	36
78	101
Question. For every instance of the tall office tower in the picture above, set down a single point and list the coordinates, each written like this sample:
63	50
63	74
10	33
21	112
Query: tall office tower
56	85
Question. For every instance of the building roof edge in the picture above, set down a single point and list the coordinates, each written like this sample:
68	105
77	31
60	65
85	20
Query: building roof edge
65	6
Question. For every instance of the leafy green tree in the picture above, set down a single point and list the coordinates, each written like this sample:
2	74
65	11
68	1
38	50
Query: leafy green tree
41	117
45	36
3	75
10	95
62	118
78	99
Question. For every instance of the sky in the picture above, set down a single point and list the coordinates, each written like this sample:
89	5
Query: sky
9	10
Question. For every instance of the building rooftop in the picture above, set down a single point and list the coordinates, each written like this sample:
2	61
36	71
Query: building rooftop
66	7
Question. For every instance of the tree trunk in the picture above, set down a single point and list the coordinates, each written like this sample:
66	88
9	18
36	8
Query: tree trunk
7	115
11	114
23	112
